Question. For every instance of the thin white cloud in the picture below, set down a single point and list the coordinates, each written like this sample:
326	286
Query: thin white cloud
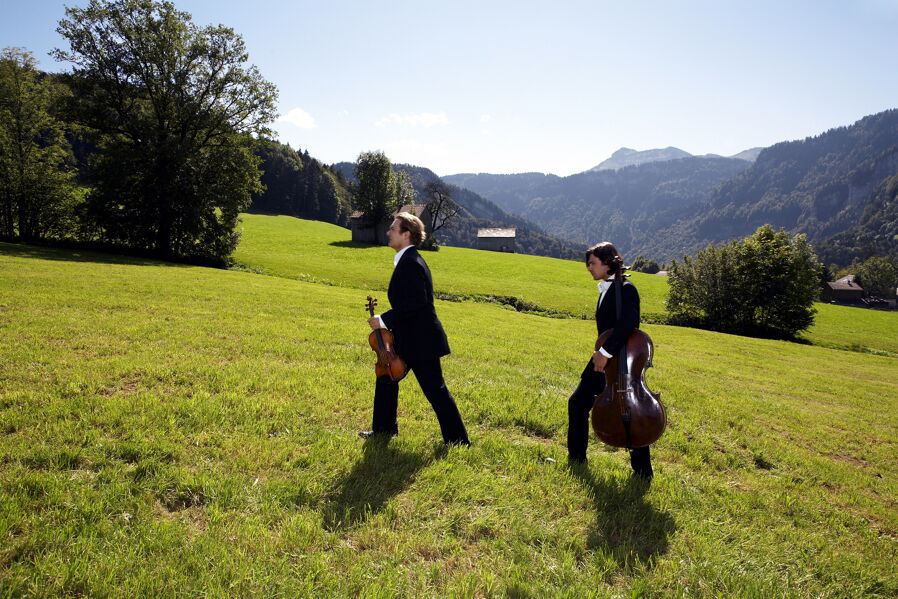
421	119
485	118
299	118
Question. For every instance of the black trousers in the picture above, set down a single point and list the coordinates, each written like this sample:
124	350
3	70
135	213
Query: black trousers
578	408
430	376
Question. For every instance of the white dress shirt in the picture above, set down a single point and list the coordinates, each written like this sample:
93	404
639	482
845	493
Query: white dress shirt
604	286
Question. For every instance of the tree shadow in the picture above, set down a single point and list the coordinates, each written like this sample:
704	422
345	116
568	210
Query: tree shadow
355	244
632	530
74	253
383	472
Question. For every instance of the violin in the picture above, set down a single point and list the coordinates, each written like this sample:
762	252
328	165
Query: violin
388	364
627	413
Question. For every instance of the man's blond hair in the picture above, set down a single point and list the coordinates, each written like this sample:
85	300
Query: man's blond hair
411	223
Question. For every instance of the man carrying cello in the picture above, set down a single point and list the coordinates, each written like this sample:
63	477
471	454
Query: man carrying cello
604	263
419	335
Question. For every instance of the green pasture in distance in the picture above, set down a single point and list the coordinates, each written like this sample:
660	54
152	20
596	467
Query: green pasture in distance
172	429
320	252
856	329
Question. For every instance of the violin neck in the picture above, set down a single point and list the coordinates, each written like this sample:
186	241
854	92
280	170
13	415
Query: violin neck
380	339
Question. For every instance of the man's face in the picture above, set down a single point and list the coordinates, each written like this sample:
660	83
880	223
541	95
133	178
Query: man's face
597	268
397	239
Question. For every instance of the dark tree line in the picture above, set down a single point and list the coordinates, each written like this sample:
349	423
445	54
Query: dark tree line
296	184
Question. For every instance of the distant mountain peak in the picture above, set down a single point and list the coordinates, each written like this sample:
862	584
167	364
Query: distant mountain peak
629	157
624	152
750	154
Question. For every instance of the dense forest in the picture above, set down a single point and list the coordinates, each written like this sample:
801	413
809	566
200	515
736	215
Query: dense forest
819	186
876	234
298	185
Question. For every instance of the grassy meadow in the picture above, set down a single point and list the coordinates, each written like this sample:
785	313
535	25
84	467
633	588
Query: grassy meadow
176	430
319	252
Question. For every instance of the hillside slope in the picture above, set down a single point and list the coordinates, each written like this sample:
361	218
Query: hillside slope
313	251
179	430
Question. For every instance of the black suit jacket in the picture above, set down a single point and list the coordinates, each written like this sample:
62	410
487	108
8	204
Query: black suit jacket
606	318
412	317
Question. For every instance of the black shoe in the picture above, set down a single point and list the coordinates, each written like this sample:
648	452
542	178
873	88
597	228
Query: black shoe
370	434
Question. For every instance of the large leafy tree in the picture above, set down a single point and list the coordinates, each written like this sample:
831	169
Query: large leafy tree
375	192
36	192
764	285
175	108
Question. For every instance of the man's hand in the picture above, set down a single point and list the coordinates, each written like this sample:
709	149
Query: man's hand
374	323
599	361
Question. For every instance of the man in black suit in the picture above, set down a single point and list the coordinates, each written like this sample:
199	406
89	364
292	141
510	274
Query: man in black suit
419	336
604	263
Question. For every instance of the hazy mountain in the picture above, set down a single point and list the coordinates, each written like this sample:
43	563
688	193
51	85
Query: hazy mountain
629	157
628	206
750	155
820	186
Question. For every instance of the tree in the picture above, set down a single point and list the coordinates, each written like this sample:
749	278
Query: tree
643	264
763	285
175	109
375	193
36	192
878	276
443	211
403	189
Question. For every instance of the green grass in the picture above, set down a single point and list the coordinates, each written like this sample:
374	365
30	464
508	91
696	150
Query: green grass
324	253
319	252
856	329
174	430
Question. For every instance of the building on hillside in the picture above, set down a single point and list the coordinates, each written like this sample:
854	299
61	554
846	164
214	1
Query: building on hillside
496	240
661	273
842	291
364	232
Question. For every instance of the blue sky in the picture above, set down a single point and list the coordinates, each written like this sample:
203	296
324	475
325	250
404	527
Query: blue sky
508	87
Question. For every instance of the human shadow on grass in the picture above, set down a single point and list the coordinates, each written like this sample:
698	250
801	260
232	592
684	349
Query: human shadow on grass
629	528
383	472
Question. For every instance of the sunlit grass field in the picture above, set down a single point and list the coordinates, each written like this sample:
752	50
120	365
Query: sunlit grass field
320	252
175	430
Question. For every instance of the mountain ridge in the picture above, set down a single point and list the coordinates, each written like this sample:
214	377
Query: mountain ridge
819	186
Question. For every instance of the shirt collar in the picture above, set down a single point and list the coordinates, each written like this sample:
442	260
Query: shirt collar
604	285
398	256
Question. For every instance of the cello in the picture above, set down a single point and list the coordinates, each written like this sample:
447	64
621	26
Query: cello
388	364
627	413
